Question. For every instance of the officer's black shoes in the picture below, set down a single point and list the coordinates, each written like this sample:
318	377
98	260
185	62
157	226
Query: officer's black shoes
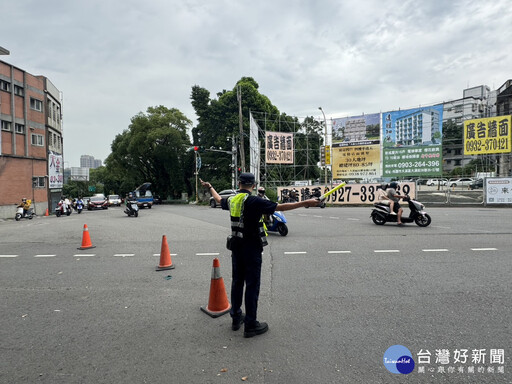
237	322
256	329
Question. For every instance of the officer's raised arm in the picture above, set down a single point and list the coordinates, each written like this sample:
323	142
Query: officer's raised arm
212	190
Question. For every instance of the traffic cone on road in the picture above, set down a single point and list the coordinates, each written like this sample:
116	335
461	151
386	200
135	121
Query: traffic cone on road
218	303
165	256
46	213
86	239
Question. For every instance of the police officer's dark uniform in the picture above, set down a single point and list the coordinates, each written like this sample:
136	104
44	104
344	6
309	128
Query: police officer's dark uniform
248	230
246	254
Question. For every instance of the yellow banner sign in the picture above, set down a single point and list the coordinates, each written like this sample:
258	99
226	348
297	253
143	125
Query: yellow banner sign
489	135
354	162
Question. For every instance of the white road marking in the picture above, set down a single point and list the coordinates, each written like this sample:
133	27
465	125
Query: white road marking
208	254
85	255
484	249
318	216
157	254
335	218
352	219
45	255
386	250
8	255
339	251
124	254
435	250
295	253
439	226
301	214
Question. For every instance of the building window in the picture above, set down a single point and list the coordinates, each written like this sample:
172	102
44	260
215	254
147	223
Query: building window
19	90
5	86
6	125
37	140
36	104
39	182
19	128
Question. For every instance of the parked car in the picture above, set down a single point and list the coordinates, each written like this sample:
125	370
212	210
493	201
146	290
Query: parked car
114	200
432	182
97	202
224	193
460	182
478	183
157	199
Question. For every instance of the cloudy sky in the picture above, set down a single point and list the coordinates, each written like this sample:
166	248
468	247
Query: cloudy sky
113	58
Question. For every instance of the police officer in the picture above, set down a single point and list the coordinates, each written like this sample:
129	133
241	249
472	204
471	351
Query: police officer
248	232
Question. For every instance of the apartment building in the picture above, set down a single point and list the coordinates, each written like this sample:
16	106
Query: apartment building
30	140
88	161
476	102
419	127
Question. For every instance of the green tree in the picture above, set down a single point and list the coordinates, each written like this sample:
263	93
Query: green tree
218	124
152	149
452	133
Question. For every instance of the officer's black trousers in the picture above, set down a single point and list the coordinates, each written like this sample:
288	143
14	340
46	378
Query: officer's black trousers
246	263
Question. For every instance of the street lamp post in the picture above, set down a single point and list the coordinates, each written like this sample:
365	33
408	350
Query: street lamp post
325	146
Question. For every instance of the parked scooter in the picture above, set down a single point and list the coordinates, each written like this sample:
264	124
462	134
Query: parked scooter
381	214
62	209
20	215
277	224
132	209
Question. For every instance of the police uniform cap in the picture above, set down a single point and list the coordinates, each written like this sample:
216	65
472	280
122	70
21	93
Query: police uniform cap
246	178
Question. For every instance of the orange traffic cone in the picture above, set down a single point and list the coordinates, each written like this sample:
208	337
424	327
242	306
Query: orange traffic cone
165	256
86	239
46	213
218	303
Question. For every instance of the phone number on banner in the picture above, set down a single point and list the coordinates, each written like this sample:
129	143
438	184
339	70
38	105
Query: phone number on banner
365	193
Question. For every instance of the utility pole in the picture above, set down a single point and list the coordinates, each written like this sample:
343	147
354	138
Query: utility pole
241	126
325	145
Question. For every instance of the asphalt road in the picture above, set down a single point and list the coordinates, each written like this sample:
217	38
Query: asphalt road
337	292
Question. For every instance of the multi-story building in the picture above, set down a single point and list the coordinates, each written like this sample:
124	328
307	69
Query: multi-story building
355	130
419	127
29	164
88	161
476	102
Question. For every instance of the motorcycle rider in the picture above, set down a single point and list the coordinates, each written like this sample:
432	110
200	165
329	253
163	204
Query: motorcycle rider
67	202
129	200
268	220
261	193
26	205
393	195
384	199
79	202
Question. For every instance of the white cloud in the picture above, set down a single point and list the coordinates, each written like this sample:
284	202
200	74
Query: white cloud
113	59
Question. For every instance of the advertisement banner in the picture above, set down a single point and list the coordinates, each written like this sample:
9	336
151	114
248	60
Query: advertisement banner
350	194
498	190
55	171
279	147
411	142
487	136
355	147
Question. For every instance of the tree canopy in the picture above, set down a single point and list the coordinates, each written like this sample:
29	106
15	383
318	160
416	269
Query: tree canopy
153	149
